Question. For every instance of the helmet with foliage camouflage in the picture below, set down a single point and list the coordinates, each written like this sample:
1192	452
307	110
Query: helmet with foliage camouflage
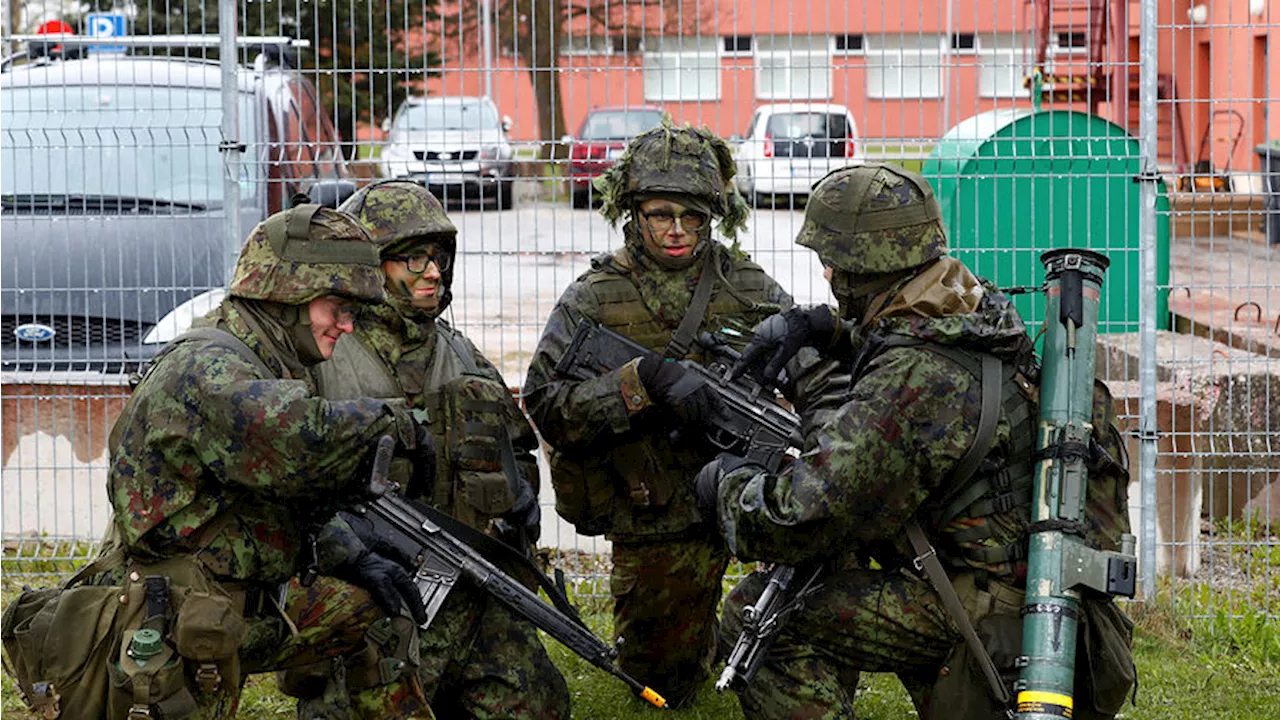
305	252
673	161
873	219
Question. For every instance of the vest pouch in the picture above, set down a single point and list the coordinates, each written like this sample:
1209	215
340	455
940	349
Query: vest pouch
63	637
648	473
145	685
1105	672
482	496
475	412
584	494
209	627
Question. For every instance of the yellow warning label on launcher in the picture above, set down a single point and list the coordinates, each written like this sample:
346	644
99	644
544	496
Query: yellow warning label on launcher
1045	703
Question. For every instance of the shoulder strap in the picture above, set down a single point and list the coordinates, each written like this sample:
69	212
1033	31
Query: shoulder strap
450	336
682	339
927	560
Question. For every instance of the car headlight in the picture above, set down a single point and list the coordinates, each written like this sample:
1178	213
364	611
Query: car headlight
179	319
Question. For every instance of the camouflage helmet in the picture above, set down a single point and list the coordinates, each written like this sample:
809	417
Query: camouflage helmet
394	211
306	252
670	160
873	219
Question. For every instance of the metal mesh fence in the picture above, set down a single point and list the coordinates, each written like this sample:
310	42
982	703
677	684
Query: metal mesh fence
1139	129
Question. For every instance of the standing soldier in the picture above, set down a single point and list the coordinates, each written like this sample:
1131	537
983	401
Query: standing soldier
221	461
615	466
921	441
475	659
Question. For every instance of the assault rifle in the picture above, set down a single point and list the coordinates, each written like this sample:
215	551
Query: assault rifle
746	424
444	550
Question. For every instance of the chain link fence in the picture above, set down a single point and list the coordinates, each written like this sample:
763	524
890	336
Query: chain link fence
142	141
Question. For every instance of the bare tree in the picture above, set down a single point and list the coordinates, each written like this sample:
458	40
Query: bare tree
535	30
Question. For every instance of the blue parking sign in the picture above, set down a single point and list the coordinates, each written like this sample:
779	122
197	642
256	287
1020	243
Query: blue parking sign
106	25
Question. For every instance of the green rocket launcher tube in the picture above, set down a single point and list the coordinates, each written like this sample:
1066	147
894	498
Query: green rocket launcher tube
1059	562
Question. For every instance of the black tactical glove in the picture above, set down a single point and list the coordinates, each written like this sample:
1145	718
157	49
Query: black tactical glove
390	586
779	337
673	385
521	526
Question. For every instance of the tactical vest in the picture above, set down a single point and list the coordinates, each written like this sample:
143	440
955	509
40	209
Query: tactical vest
651	478
623	310
466	412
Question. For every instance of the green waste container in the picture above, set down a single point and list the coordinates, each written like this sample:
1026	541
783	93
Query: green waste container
1015	183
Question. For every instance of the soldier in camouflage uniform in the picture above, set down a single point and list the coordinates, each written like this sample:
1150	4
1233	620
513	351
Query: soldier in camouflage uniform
475	659
611	435
224	455
891	454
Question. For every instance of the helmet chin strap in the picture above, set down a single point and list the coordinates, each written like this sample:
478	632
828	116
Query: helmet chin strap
296	320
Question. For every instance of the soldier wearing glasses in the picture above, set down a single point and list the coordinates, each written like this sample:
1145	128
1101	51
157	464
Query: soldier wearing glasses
474	659
616	468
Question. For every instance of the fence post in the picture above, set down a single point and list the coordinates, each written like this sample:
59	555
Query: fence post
1149	179
228	59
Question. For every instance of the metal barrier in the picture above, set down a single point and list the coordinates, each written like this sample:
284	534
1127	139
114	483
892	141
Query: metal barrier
1123	126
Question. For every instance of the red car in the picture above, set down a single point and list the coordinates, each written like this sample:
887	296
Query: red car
600	140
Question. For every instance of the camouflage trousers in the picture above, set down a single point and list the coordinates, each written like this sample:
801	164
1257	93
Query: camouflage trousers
872	620
664	609
481	661
475	660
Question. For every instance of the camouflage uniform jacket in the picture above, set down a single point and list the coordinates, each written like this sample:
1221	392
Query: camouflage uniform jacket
207	435
888	453
394	356
599	422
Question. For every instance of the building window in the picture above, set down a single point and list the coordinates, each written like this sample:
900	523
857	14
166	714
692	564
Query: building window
904	66
682	68
571	44
964	43
793	66
737	45
626	44
847	44
1072	42
1003	65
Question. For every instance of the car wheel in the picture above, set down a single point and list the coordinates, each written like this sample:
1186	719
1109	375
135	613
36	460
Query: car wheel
506	194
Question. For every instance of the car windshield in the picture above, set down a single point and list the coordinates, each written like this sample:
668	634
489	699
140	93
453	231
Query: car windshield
793	126
114	141
619	125
451	116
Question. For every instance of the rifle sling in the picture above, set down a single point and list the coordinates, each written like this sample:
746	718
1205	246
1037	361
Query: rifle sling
501	554
682	339
927	560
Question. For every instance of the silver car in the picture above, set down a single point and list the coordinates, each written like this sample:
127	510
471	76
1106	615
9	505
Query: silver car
457	147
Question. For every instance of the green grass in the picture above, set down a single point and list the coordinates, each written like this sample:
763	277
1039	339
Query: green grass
1222	666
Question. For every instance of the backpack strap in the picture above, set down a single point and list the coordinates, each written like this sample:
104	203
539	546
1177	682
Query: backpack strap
455	343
